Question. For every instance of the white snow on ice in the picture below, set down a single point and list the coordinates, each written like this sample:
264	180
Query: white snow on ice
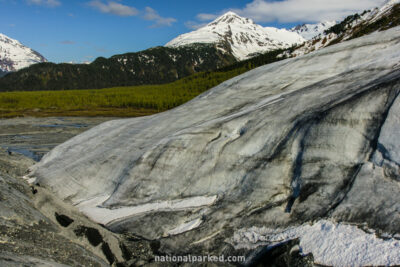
332	244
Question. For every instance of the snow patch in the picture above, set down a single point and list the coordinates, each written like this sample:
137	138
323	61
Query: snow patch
185	227
332	244
93	209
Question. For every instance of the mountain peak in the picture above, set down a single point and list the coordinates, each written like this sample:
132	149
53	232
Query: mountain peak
229	14
230	17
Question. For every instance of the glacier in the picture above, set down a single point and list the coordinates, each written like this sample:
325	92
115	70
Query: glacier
305	139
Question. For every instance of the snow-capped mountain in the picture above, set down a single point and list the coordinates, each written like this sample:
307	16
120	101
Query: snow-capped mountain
15	56
309	31
241	35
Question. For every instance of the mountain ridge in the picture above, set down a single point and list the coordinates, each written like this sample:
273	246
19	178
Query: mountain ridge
353	26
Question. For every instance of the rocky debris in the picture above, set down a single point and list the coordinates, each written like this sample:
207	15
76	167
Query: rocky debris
13	163
33	190
138	251
107	252
285	254
93	235
95	238
27	237
12	260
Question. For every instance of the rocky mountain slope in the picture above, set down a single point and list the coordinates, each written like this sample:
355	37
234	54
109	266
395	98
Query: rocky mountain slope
357	25
309	31
241	35
152	66
15	56
304	145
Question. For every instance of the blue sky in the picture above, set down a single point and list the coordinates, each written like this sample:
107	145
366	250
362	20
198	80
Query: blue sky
69	30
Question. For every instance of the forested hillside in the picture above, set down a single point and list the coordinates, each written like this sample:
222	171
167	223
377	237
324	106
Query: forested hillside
153	66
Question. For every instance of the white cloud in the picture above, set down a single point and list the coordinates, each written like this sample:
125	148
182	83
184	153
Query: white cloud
299	11
193	25
114	8
67	42
203	19
49	3
151	14
304	10
206	17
